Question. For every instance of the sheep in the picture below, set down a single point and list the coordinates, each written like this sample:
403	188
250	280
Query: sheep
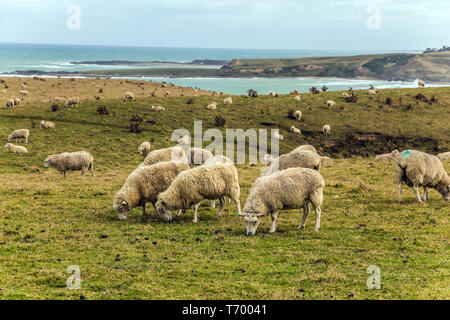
277	136
17	101
212	106
298	98
305	147
228	100
74	101
293	188
166	94
416	169
295	91
158	109
128	96
145	184
298	115
9	103
46	125
371	92
326	161
330	104
162	155
345	95
272	94
326	129
295	130
4	91
59	99
184	140
191	187
421	83
199	156
23	92
16	149
19	134
387	157
218	159
295	159
444	156
144	148
80	160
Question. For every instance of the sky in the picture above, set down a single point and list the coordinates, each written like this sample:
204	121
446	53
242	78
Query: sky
263	24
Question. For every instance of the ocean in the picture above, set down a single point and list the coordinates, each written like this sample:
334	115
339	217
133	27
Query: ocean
42	57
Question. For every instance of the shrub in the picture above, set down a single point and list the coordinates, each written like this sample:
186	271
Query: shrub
314	90
219	121
252	93
102	110
135	123
190	101
55	107
388	101
324	88
291	114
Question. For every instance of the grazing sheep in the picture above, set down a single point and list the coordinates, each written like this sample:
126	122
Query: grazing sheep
9	103
199	156
371	92
212	106
298	98
158	109
421	83
128	96
298	115
326	161
17	101
184	140
295	159
419	169
16	149
144	148
74	101
293	188
345	95
23	92
326	129
295	130
228	100
305	147
387	157
46	125
81	160
272	94
162	155
191	187
330	104
19	134
277	136
444	156
295	91
219	159
145	184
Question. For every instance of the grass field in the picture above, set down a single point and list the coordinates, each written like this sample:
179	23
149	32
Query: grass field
48	223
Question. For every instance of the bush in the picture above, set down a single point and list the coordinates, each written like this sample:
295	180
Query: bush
324	88
135	123
55	107
291	114
102	110
252	93
190	101
219	121
314	90
388	101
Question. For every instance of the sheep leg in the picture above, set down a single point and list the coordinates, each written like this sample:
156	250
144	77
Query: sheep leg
416	191
305	216
179	212
212	203
143	209
91	169
195	220
425	194
273	227
221	206
83	171
63	174
400	189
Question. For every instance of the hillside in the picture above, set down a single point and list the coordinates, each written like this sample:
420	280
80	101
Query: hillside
50	223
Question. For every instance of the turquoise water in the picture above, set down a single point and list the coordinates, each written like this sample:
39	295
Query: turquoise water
22	57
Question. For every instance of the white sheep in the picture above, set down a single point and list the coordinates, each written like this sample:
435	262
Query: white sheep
23	92
46	125
9	103
298	115
295	159
295	91
277	136
74	101
59	99
371	92
272	94
184	140
330	104
326	161
212	106
326	129
298	98
346	95
228	100
219	159
445	156
128	96
162	155
421	83
144	148
199	156
191	187
419	169
387	157
17	101
158	109
295	130
16	149
293	188
19	134
144	185
81	160
305	147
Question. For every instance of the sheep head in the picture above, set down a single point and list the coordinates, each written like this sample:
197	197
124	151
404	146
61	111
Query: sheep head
252	221
121	207
163	210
